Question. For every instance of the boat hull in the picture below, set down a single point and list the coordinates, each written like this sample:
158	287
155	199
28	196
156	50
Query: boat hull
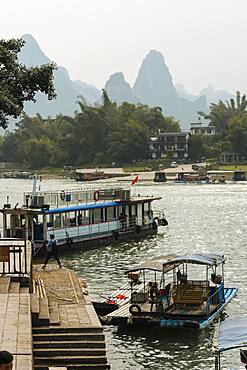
97	241
123	317
199	323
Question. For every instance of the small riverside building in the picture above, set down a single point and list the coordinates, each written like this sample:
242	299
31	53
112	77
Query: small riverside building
169	142
196	128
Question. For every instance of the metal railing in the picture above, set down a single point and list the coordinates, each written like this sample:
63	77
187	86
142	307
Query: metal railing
15	257
58	198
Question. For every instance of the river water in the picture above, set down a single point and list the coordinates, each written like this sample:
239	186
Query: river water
202	218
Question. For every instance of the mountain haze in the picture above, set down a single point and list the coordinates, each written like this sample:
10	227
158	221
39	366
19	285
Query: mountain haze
66	89
119	90
153	86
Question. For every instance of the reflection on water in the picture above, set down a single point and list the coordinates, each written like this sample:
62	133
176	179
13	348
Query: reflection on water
206	218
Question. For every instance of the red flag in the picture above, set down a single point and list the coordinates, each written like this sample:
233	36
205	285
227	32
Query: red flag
134	181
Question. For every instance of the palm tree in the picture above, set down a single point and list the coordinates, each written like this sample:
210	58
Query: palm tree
222	112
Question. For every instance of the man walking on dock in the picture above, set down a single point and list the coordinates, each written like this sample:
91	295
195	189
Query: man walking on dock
51	249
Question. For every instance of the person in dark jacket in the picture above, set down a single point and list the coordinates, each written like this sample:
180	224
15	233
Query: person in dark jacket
51	250
6	360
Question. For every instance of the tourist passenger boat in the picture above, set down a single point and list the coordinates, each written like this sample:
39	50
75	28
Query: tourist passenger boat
176	296
81	218
230	334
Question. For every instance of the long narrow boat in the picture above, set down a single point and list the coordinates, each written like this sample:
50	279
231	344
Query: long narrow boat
82	218
177	296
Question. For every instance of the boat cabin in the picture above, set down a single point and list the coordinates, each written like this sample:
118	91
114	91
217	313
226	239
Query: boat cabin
160	176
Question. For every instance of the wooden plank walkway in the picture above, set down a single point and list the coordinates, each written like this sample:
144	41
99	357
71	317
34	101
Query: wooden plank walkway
64	291
16	328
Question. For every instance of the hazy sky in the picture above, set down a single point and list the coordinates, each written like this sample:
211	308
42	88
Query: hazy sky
203	41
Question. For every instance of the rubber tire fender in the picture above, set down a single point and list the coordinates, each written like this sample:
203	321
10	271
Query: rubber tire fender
135	309
138	229
115	235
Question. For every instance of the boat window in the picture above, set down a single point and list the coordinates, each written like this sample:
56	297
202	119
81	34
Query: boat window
133	210
97	215
57	221
146	209
69	219
110	214
40	219
50	221
83	217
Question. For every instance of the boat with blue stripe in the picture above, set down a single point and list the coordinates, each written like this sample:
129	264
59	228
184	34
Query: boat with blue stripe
186	291
81	218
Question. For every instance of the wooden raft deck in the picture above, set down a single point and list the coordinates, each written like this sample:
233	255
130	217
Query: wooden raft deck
66	329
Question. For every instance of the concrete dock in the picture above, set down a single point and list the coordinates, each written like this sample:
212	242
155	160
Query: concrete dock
46	317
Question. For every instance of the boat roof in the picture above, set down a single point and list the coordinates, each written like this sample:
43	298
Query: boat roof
155	264
199	259
231	334
80	207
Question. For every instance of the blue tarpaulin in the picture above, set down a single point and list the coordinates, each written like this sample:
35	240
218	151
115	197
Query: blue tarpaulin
231	334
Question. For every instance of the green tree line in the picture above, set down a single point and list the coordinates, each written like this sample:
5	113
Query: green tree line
230	121
93	136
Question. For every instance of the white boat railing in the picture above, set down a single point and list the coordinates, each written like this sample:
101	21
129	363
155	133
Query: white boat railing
57	198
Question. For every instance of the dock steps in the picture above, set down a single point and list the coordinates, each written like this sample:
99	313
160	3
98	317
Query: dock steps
74	367
40	337
68	352
61	360
60	330
69	344
66	330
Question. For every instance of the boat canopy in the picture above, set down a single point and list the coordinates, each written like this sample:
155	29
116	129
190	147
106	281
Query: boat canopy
155	264
199	259
231	334
82	207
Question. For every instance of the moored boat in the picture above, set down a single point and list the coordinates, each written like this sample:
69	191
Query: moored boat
81	218
192	178
177	296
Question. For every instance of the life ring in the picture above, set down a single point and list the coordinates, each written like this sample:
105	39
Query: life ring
138	229
164	222
135	309
115	235
96	196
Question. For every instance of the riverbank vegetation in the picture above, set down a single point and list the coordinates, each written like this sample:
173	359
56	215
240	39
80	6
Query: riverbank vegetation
102	135
230	121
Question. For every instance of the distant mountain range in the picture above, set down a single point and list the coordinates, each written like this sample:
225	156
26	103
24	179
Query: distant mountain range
153	86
